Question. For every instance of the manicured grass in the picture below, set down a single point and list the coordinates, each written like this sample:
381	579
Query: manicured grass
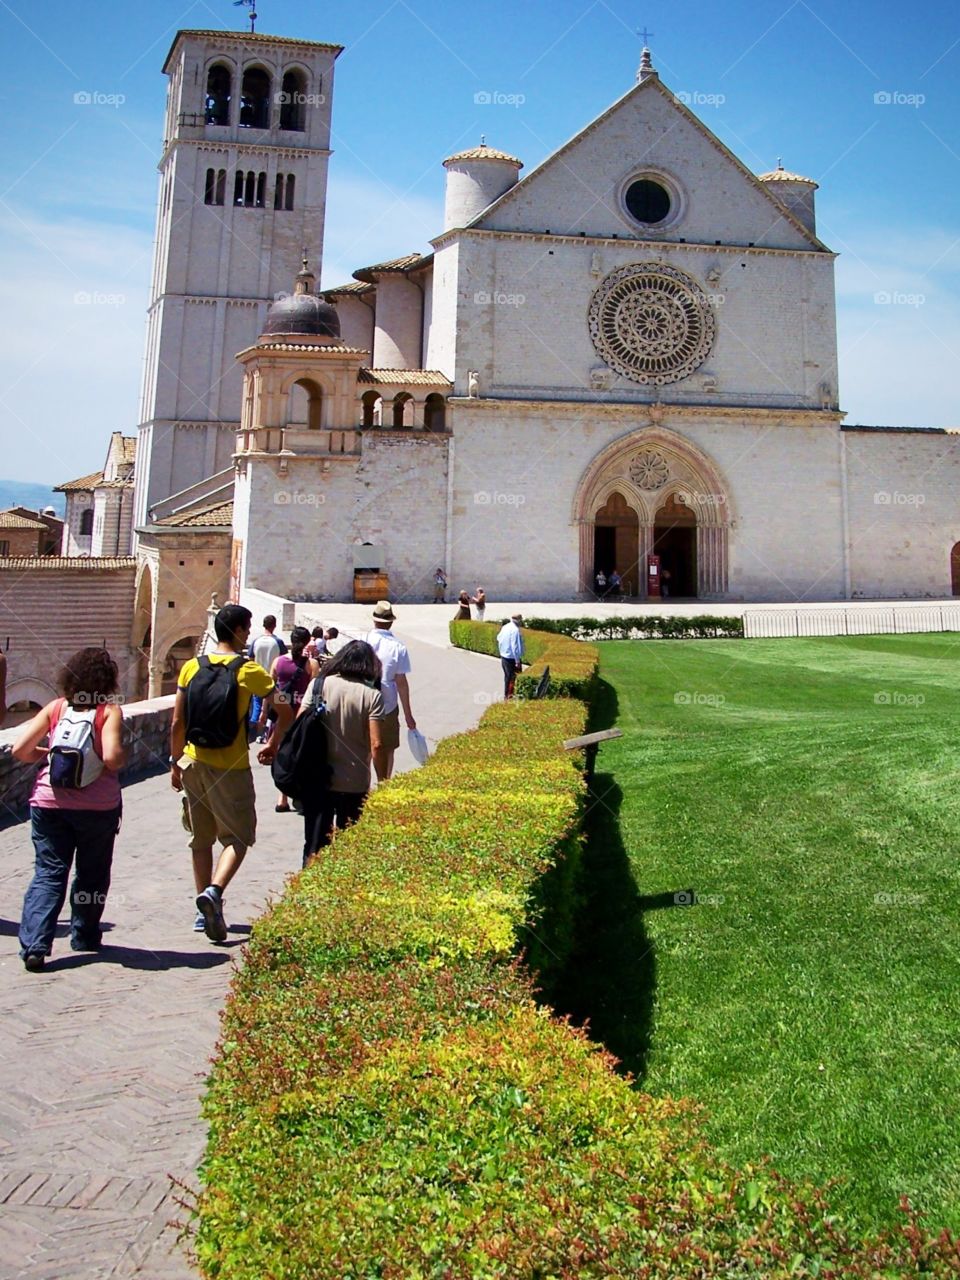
808	793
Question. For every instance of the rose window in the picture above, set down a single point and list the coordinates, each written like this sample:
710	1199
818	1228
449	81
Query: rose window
649	471
652	323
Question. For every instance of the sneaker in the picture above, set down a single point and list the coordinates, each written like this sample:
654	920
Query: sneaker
210	906
84	944
34	962
200	923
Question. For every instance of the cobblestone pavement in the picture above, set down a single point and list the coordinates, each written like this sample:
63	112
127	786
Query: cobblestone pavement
102	1057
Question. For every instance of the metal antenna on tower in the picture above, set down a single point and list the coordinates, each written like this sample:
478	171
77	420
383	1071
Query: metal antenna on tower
252	6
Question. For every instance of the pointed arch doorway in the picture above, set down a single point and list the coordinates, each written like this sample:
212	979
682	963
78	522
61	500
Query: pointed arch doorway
675	542
616	542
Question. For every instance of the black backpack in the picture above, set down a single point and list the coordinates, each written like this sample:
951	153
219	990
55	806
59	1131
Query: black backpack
300	766
213	697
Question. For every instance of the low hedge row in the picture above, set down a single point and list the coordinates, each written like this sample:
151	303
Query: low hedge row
573	666
389	1101
703	626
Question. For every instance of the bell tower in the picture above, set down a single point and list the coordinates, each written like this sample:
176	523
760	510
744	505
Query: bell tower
243	186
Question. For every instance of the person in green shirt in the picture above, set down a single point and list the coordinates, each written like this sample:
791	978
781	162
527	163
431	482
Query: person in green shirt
217	782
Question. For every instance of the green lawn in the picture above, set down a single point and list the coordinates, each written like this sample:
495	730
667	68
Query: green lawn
808	792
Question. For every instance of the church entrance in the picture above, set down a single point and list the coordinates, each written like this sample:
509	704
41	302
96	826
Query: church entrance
955	569
616	542
675	542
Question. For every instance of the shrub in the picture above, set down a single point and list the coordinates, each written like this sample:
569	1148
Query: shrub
388	1100
573	666
643	627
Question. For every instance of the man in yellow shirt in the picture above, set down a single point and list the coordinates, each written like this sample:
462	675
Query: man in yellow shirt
217	782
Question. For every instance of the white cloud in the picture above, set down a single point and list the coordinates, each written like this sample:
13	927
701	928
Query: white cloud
76	294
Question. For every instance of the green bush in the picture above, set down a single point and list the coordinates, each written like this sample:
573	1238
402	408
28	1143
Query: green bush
388	1100
573	666
702	626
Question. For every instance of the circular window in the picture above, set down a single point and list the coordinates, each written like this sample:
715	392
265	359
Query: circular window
652	323
647	201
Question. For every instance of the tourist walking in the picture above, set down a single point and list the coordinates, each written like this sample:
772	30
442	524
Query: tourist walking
353	719
210	761
264	650
317	646
601	581
463	612
395	661
292	674
510	645
479	602
439	586
75	804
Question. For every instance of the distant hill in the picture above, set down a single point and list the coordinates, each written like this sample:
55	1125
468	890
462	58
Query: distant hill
21	493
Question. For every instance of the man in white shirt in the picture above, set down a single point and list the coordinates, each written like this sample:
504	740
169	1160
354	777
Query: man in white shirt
263	651
394	686
510	645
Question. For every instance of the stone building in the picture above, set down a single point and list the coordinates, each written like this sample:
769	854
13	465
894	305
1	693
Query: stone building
99	515
626	358
29	533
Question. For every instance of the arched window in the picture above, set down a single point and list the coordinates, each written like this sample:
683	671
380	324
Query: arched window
261	190
305	408
288	202
86	522
219	84
249	188
372	408
221	186
278	192
238	187
434	412
403	409
210	187
255	99
293	102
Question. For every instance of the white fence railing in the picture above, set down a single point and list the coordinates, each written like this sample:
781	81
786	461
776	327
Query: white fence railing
861	620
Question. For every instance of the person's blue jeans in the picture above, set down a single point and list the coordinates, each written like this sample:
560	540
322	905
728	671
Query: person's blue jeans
58	836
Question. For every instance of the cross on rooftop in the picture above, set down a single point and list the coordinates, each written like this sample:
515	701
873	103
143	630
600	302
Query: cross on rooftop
646	36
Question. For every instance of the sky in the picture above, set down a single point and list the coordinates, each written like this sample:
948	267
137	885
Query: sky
862	96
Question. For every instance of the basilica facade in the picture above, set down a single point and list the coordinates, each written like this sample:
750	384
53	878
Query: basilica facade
630	352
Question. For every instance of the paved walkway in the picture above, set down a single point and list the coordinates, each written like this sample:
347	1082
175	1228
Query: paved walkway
102	1058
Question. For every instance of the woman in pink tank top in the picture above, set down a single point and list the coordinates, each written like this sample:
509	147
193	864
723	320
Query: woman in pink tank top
293	673
70	822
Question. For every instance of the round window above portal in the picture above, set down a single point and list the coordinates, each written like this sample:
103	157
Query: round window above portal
651	201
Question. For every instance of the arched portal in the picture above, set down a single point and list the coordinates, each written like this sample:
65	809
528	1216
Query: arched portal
616	541
176	656
680	498
955	569
675	542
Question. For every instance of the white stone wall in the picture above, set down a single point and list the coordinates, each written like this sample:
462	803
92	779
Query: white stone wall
442	335
74	542
471	185
646	131
904	512
398	323
516	473
522	320
299	530
356	321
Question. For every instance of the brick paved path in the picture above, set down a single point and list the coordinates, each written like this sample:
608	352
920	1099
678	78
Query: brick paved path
102	1058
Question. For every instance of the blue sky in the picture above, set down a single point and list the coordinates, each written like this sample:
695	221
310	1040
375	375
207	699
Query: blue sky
771	77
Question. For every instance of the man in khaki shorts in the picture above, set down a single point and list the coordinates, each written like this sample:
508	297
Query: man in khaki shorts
394	685
217	782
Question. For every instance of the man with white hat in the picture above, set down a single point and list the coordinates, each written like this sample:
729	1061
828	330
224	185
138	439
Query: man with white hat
510	644
394	686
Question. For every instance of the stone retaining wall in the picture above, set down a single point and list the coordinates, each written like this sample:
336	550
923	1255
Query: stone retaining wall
146	736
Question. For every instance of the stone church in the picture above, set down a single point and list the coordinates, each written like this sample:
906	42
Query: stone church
630	352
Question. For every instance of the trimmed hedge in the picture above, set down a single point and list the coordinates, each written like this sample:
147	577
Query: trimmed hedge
701	626
573	666
389	1101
